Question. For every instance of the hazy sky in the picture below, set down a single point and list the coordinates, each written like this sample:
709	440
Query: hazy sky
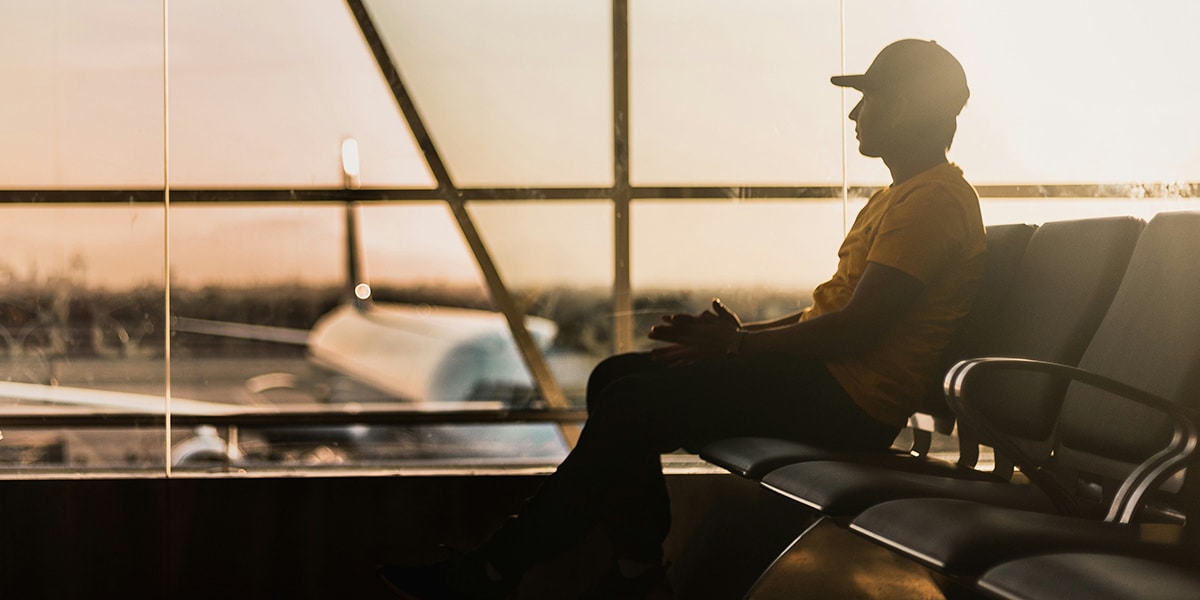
262	92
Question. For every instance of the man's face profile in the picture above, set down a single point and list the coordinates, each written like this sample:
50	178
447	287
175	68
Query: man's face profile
874	124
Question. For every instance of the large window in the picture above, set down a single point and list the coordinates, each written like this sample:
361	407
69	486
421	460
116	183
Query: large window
269	235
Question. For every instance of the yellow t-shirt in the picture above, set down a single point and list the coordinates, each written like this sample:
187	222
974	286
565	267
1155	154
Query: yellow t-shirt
930	228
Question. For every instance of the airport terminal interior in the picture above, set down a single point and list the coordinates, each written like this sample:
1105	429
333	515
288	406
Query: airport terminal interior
293	288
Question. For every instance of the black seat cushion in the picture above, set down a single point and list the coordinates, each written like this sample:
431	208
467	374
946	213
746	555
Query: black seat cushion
753	457
1092	576
961	537
844	489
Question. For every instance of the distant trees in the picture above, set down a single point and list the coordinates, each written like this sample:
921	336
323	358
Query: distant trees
48	319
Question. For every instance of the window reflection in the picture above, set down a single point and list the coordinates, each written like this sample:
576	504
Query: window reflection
81	325
261	337
515	94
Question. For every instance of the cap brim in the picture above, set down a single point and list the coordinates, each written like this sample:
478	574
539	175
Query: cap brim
854	81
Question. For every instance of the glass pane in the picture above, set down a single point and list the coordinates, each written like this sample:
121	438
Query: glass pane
82	310
513	93
264	321
248	283
556	258
81	325
762	258
83	94
734	92
448	345
423	273
1062	92
419	246
263	92
256	245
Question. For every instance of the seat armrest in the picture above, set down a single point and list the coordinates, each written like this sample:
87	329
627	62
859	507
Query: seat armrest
1146	476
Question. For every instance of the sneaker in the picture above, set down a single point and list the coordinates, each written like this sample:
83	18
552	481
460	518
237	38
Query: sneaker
454	579
651	585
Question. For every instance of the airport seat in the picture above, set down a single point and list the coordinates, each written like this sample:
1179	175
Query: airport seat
1122	432
1093	576
753	457
1065	281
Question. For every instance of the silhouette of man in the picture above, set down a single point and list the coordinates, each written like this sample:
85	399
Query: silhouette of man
844	373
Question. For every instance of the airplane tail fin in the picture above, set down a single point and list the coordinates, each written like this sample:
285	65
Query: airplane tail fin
357	289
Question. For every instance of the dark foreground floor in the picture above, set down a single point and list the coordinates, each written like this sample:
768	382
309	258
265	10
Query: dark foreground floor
322	537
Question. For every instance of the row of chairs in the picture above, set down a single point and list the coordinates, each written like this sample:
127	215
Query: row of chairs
1087	397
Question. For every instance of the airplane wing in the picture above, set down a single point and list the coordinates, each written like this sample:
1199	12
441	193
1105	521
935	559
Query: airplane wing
244	331
112	401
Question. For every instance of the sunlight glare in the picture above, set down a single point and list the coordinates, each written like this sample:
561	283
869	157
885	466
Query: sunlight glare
350	170
1082	94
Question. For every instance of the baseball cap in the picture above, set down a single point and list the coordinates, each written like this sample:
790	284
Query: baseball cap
915	66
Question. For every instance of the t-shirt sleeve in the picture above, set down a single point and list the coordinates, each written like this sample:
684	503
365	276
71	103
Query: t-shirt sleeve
922	233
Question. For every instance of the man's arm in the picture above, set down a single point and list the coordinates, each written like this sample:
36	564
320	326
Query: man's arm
783	321
881	298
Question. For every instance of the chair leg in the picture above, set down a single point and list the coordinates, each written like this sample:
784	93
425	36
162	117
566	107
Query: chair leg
739	528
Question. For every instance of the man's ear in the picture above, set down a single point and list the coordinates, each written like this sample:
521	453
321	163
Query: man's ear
899	108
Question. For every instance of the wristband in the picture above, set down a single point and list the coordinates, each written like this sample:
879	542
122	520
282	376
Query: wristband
735	343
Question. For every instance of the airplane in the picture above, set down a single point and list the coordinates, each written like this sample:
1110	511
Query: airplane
409	353
413	353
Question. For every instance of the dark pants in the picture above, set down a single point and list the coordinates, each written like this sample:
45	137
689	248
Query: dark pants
639	409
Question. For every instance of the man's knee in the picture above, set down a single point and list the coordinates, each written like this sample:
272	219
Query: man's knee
612	369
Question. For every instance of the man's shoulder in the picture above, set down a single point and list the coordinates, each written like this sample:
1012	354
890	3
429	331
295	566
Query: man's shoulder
946	178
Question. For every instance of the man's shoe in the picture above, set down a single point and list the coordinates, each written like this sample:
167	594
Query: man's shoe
462	578
651	585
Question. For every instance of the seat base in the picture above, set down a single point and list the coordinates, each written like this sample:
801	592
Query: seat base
827	561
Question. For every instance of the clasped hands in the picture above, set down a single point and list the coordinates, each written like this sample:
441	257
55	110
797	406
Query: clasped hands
695	338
